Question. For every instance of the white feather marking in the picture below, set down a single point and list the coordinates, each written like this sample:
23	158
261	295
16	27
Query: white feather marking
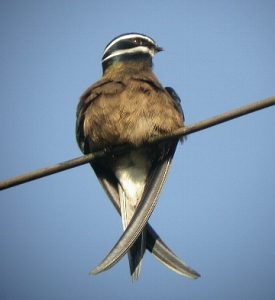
126	37
132	171
139	49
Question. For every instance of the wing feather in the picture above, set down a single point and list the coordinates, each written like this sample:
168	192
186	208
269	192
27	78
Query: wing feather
154	243
144	210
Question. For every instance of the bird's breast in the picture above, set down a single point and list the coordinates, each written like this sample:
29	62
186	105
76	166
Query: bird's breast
133	117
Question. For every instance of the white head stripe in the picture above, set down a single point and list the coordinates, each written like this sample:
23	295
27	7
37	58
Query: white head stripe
138	49
126	37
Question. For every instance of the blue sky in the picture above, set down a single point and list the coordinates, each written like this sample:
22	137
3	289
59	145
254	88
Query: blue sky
217	208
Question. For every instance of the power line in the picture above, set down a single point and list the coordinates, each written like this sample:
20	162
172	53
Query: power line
188	129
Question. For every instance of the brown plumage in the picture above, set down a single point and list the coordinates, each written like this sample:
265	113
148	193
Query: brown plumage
128	106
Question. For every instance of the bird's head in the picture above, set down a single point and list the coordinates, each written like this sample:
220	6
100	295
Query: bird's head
129	47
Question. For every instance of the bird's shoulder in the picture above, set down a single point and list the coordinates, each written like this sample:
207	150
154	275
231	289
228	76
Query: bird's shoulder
102	86
116	84
176	100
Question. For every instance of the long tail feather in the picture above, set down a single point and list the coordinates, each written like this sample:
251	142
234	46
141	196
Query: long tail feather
140	217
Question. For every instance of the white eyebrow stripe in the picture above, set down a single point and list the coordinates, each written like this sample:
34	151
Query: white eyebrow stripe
126	37
138	49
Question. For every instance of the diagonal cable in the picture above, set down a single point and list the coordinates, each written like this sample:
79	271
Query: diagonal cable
188	129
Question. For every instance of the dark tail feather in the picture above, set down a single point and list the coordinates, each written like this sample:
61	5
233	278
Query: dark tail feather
135	255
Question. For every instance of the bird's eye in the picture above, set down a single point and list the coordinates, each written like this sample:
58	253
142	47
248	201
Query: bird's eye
137	42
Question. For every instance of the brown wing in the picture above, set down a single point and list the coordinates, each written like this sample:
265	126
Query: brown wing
86	103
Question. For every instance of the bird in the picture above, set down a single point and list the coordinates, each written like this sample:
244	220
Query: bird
129	107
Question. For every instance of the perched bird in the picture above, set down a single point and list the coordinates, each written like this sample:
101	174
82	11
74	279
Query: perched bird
128	106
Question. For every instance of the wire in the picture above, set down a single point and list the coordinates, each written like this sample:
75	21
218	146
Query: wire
188	129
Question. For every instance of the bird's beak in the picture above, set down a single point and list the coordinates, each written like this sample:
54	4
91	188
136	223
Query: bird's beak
158	49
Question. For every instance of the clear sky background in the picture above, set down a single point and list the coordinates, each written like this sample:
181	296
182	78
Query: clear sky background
217	208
